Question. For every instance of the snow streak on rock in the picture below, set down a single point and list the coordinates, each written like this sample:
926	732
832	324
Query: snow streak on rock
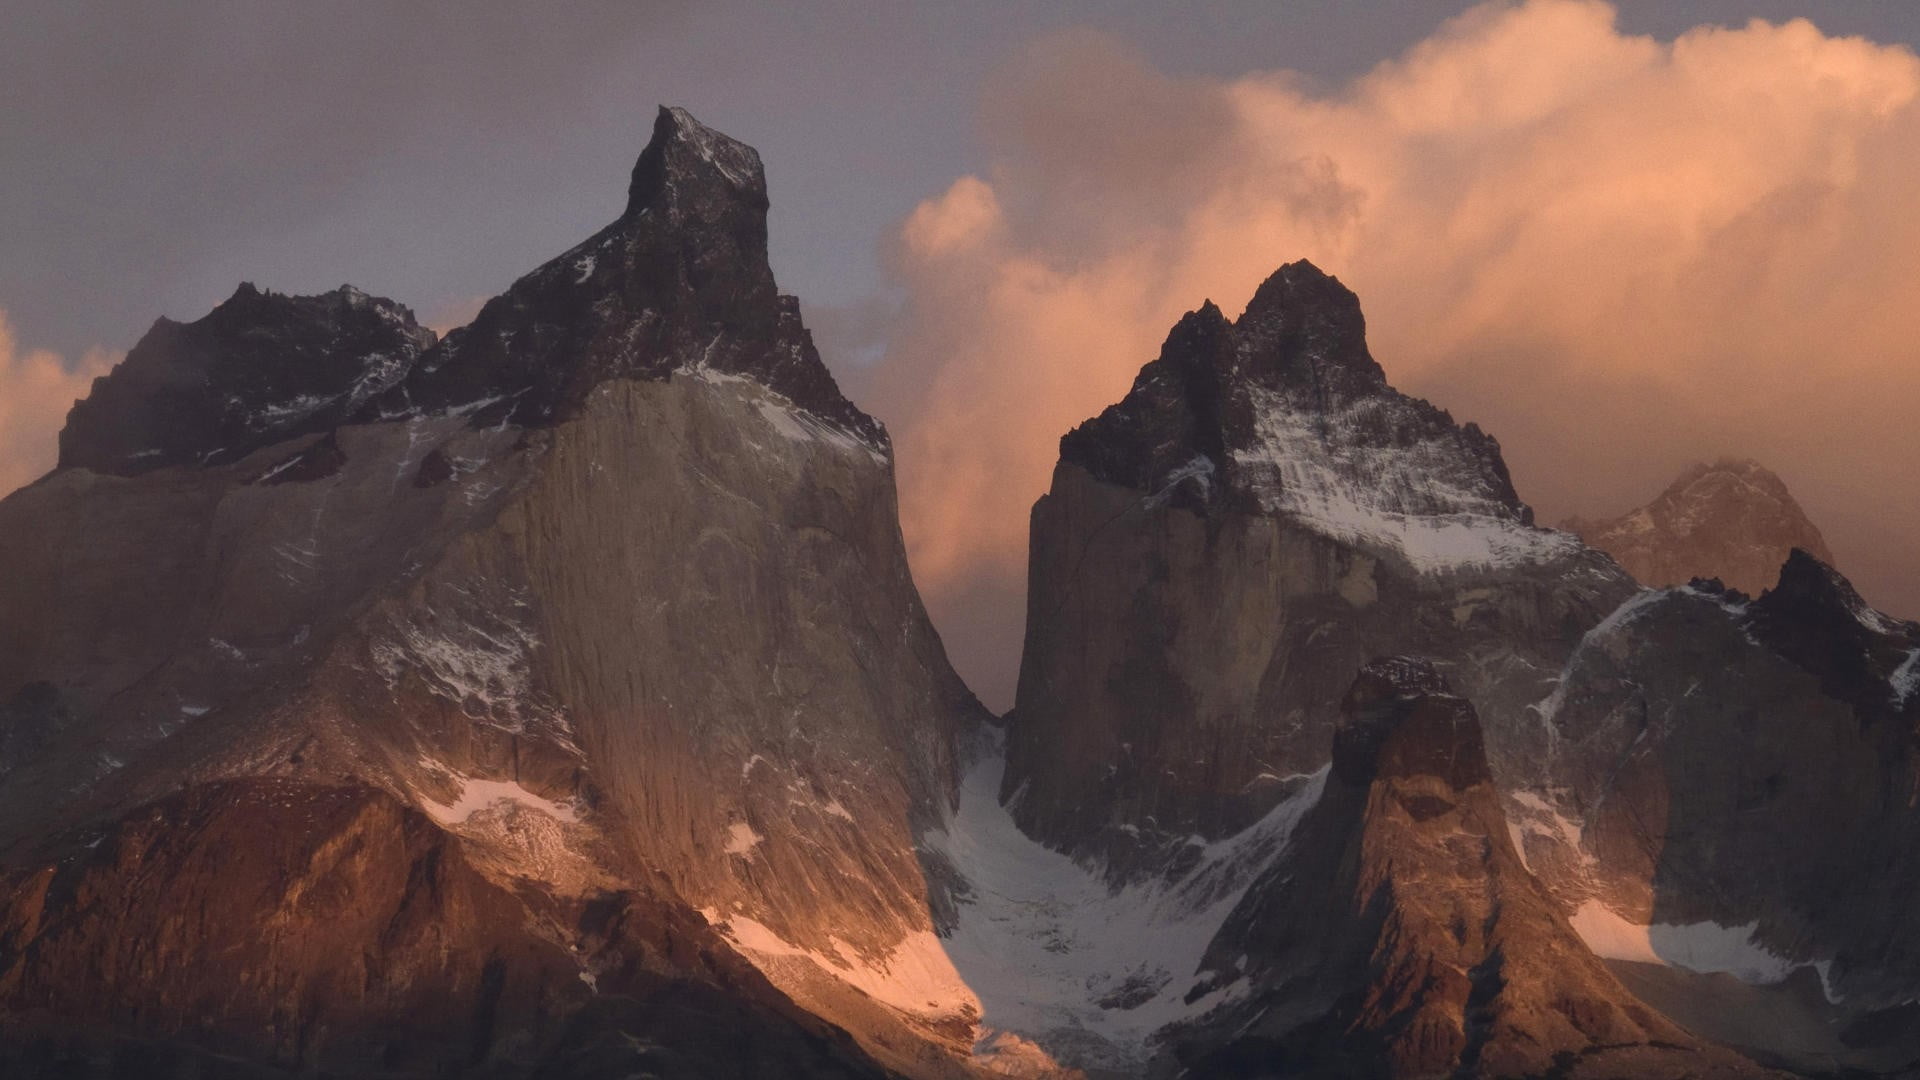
1415	500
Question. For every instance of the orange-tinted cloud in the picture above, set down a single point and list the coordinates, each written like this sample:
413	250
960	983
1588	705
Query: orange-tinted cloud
36	390
1618	254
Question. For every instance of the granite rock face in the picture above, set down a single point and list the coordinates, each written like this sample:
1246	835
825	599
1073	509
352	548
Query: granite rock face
1730	520
554	700
1221	550
592	621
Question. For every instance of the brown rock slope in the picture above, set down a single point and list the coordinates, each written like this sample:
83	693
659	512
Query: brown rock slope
1731	520
1403	937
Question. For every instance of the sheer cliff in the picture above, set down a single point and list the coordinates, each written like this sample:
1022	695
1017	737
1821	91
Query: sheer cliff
595	612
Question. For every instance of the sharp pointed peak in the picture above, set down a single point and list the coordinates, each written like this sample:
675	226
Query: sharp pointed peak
684	156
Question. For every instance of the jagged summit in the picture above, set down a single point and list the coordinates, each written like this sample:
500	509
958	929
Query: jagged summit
1814	617
1285	412
1731	519
686	156
1311	324
679	283
260	368
1401	718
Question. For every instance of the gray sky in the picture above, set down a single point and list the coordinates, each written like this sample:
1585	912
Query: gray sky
157	154
154	155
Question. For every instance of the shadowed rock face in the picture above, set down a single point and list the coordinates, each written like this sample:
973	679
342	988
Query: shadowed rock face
259	369
1403	937
603	597
1731	520
1748	765
305	927
1261	515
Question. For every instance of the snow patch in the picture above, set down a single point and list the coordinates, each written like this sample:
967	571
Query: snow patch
483	664
1906	679
479	795
916	977
1055	955
741	839
1537	816
1200	470
1416	500
786	418
1702	947
739	163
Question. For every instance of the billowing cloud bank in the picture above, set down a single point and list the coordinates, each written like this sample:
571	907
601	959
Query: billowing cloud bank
1616	253
36	390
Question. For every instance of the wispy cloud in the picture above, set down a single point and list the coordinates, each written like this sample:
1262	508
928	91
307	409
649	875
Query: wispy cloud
36	390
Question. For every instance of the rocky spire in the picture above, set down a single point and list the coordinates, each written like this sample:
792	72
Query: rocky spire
1415	942
679	282
1285	410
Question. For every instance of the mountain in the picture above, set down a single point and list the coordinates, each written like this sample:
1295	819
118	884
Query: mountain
553	699
1730	788
1680	822
1220	552
1403	936
378	702
1731	520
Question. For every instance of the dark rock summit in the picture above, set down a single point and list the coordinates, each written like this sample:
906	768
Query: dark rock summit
1278	515
679	283
1730	520
1203	418
259	369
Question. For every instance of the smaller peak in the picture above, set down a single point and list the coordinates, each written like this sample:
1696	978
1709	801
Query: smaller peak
1197	333
685	157
1805	578
1401	718
1304	327
1301	283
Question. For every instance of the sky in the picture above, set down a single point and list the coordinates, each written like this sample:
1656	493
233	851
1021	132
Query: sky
1621	237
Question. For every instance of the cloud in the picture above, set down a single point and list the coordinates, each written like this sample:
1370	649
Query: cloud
36	390
1619	254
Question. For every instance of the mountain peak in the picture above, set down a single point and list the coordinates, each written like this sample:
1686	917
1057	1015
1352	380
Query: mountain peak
1303	328
1400	717
686	159
259	368
1731	519
1285	412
